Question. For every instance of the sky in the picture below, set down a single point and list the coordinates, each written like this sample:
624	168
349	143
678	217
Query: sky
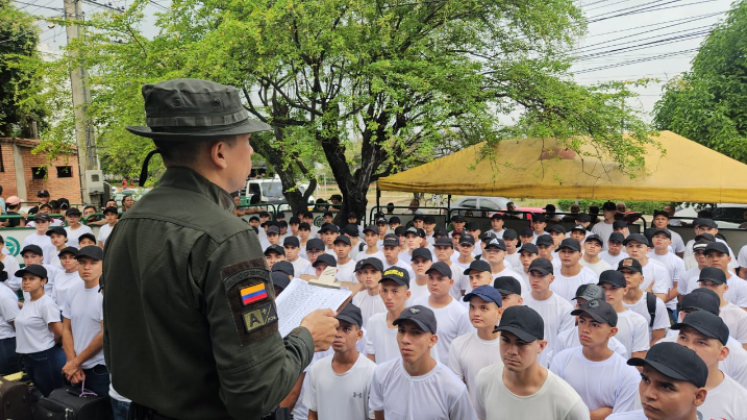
625	39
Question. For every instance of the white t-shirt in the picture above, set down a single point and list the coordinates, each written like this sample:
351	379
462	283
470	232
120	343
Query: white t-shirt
568	339
661	316
377	254
513	260
32	325
11	267
8	312
676	268
437	395
726	401
556	400
597	267
468	354
369	305
512	273
299	266
64	283
416	292
53	273
632	331
452	321
73	235
566	287
736	319
84	308
630	415
613	260
604	230
382	340
678	245
346	272
556	312
742	257
691	243
737	293
655	272
405	256
104	232
609	383
344	395
690	281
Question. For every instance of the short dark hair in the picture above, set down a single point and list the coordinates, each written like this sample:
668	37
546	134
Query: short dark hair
177	152
89	207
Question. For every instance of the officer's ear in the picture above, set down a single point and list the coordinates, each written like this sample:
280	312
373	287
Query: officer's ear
219	153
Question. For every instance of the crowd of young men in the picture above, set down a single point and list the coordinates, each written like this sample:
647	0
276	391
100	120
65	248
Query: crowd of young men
592	323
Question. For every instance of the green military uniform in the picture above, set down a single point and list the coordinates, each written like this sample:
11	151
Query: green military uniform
191	327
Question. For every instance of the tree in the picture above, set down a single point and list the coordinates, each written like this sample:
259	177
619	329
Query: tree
369	86
19	81
708	104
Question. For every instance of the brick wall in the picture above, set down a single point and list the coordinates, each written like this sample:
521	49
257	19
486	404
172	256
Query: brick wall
68	187
8	175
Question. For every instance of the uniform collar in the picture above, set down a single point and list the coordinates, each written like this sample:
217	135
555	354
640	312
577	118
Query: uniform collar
187	179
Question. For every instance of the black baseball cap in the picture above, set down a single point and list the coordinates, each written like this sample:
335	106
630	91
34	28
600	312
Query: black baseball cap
614	278
661	213
526	231
594	237
443	241
90	252
707	222
542	265
496	243
58	230
34	269
396	274
579	228
616	237
700	246
294	221
329	227
545	240
342	238
619	224
284	267
275	248
538	218
110	210
478	265
390	240
497	216
73	211
599	310
326	259
381	221
315	243
273	229
371	228
661	231
523	322
279	279
630	264
702	300
36	249
418	217
485	236
609	206
676	362
440	267
393	219
42	193
486	293
351	230
42	217
429	220
557	228
636	237
69	250
291	240
713	274
304	226
507	285
422	253
351	314
589	292
372	262
510	234
583	217
466	238
457	218
569	243
531	248
423	317
472	226
439	231
400	231
89	236
705	237
707	324
717	247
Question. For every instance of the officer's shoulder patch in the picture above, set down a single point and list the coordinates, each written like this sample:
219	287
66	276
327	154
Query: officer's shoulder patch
250	298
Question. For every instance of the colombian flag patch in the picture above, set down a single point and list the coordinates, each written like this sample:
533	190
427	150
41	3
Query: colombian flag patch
253	293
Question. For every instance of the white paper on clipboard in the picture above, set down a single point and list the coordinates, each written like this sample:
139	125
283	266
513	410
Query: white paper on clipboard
300	299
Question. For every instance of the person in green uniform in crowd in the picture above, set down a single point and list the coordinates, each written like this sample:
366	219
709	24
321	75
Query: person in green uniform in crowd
190	323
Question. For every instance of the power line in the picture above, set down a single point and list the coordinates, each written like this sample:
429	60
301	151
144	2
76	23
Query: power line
706	15
653	8
640	60
684	34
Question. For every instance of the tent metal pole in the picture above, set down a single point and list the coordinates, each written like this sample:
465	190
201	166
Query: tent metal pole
378	195
448	204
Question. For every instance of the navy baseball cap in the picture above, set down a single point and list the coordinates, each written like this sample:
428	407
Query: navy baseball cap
486	293
523	322
675	361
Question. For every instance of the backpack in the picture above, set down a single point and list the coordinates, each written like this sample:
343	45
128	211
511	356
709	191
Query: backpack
651	305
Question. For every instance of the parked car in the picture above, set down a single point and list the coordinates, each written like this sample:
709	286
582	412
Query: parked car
270	191
729	211
492	204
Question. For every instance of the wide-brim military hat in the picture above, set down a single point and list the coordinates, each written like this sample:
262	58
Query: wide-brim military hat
183	108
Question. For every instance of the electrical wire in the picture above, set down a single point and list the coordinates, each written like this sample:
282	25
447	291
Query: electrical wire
640	60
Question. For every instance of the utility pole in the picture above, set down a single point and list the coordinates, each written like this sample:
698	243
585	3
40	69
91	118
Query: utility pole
87	158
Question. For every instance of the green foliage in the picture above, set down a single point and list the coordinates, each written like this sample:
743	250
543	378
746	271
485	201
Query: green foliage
20	81
708	104
645	207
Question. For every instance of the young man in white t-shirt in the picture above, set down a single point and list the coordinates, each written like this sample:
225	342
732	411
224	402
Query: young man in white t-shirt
539	223
463	257
83	326
510	290
292	247
717	255
422	259
496	225
33	255
338	385
592	248
656	278
471	352
511	239
110	217
58	238
273	254
417	386
522	388
604	228
40	237
75	228
452	317
69	278
601	377
345	264
632	327
578	233
413	241
734	317
526	236
391	255
555	310
661	239
742	262
615	249
707	335
690	280
443	249
479	274
545	248
672	386
572	273
495	254
314	249
371	249
382	333
527	254
637	300
661	221
368	299
557	233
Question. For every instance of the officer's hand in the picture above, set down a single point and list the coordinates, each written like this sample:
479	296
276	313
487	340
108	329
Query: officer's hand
323	326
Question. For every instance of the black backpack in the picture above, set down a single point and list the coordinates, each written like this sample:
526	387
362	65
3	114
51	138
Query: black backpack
651	305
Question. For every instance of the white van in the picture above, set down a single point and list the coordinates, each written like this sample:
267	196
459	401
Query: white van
270	190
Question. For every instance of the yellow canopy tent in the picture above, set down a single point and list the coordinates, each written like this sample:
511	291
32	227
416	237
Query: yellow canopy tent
536	168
